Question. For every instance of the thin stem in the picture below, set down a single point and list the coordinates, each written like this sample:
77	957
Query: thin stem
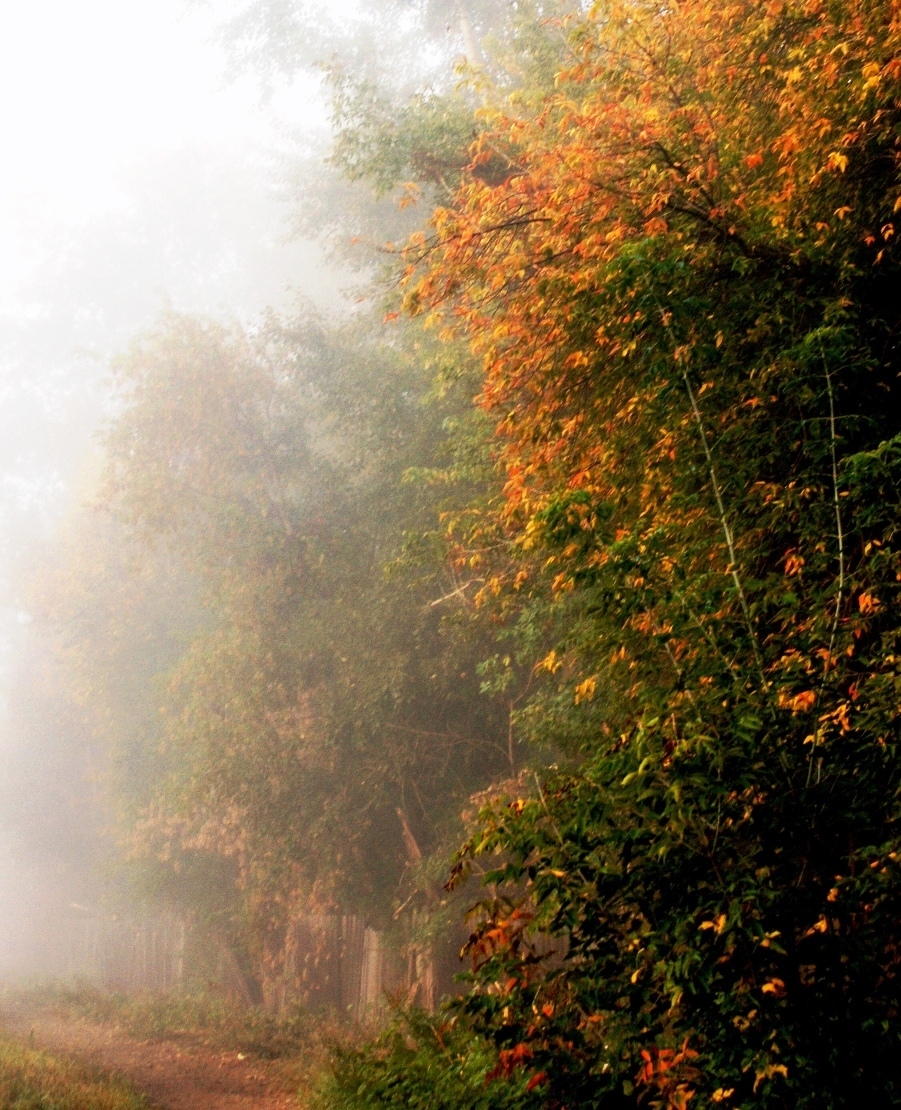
721	508
840	536
510	739
681	673
727	530
548	812
706	633
840	532
474	54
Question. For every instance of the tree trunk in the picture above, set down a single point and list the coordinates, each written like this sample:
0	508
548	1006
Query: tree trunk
474	54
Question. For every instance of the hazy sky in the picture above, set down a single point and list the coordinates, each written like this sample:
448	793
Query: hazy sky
132	177
89	86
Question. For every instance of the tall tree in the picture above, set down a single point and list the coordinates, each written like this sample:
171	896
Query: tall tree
684	297
322	723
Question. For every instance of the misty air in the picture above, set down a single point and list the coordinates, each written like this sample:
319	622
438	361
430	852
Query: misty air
449	570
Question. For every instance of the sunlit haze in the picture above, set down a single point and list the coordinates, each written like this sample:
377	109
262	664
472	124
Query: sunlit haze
92	87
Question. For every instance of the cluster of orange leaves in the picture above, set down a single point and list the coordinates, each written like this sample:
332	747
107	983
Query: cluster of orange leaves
697	115
682	129
668	1073
504	934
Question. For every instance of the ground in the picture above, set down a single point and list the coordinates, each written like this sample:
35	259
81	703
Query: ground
174	1075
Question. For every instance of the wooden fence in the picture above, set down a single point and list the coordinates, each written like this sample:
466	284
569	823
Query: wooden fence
335	963
330	962
126	955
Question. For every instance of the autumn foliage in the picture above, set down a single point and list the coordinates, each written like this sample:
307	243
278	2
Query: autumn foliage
684	294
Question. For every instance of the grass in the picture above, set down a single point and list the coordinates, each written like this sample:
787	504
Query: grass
203	1019
299	1046
33	1080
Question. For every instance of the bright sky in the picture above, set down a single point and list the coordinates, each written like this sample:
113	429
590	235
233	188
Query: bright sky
89	86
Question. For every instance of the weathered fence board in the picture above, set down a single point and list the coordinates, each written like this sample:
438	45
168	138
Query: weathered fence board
128	956
335	963
329	963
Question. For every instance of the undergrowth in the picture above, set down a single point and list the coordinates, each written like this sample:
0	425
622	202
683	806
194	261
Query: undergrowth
204	1019
33	1080
424	1062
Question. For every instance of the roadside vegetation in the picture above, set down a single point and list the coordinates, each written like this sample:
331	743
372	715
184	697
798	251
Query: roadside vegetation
34	1080
415	1060
202	1019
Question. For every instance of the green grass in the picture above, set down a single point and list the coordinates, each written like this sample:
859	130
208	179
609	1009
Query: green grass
33	1080
203	1019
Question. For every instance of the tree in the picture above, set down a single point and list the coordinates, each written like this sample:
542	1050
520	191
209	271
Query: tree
321	722
684	298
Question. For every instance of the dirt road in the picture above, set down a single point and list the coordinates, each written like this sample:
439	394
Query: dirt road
174	1076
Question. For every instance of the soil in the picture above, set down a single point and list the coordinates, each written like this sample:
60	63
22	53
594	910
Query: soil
173	1075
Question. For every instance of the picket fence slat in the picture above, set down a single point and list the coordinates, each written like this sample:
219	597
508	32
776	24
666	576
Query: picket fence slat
336	963
125	956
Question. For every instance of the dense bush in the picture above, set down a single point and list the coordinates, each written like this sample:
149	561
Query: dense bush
425	1063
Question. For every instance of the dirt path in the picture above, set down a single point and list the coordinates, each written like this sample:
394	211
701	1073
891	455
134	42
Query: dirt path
174	1076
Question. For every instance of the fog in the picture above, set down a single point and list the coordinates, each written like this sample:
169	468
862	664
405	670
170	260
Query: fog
138	176
237	700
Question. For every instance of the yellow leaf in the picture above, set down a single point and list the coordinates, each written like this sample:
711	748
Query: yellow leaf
802	702
775	987
585	690
872	73
768	1073
793	563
